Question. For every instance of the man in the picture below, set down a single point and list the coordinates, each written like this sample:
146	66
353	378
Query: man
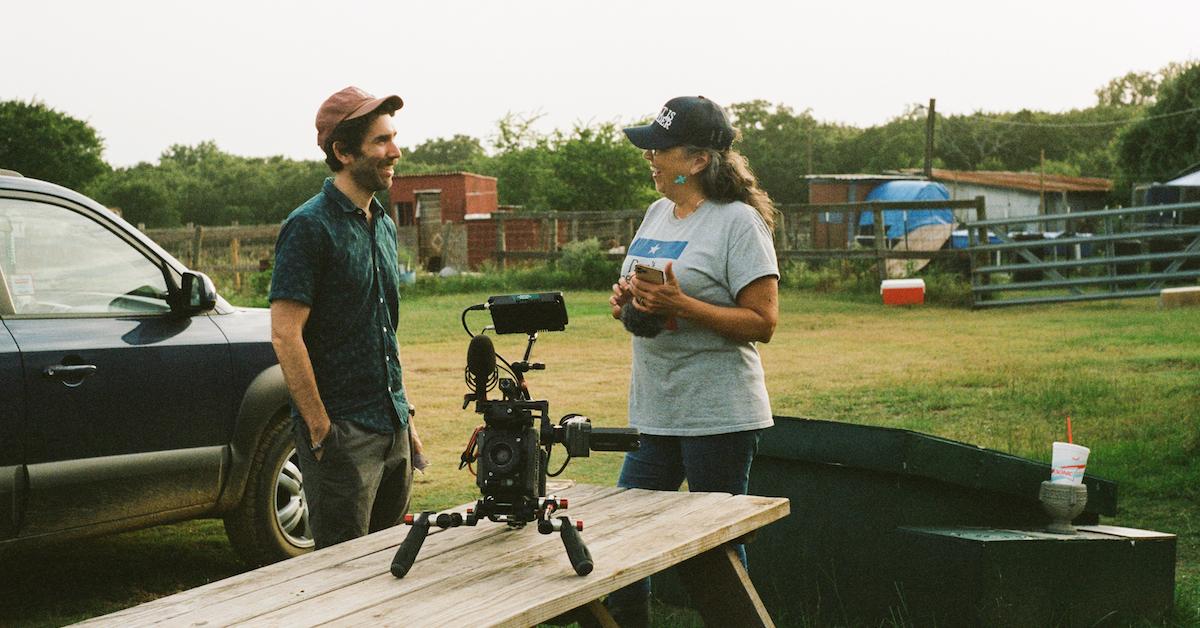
334	308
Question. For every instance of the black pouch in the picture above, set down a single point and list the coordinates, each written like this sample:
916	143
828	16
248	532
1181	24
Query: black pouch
641	323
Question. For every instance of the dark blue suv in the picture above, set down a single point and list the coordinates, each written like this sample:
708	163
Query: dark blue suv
131	394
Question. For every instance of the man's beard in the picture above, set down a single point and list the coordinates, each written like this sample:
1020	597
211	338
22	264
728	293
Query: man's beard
365	173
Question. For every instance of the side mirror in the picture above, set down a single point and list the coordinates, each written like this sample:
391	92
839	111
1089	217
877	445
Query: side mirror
198	293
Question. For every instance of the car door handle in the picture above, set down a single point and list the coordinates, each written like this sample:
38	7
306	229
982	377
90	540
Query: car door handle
69	371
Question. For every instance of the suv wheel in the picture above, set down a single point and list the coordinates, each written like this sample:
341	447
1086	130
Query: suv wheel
271	522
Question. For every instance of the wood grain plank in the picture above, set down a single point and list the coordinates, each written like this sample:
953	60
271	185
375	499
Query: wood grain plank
537	587
720	588
489	561
303	576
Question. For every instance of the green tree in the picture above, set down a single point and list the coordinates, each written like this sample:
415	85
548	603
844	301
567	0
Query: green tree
203	185
898	144
460	152
597	168
139	193
43	143
591	168
778	143
1166	141
1139	88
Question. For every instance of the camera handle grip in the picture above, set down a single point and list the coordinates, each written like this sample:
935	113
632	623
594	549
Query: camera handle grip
577	552
407	554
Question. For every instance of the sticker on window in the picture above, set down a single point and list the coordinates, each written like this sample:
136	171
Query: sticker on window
22	285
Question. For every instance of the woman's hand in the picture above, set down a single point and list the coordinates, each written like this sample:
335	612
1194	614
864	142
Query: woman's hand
621	295
666	298
751	319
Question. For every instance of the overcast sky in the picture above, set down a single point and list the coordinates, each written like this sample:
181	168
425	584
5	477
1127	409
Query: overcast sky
250	74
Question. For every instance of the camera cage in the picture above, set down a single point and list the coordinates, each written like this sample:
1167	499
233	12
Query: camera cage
512	453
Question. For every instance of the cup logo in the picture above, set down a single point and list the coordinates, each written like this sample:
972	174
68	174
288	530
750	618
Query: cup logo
665	118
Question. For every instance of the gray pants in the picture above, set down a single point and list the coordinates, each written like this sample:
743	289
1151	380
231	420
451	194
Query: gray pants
360	485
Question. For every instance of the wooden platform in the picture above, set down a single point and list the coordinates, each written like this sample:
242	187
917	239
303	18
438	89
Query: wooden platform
490	575
1186	296
993	578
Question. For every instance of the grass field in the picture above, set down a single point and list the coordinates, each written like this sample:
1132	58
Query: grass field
1127	372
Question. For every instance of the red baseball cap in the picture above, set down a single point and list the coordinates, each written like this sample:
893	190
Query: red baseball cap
348	104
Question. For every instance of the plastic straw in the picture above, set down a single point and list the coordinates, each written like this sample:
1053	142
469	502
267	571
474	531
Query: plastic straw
1069	438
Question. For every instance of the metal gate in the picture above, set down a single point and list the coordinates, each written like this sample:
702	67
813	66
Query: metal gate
1116	253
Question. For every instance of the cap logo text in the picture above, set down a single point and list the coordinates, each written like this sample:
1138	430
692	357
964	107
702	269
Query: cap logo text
665	118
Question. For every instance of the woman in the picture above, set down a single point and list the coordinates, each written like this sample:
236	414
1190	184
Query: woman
697	392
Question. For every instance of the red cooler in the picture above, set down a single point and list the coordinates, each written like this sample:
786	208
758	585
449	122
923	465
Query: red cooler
903	291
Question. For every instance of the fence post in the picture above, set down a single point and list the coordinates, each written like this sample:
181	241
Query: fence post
501	249
235	249
574	230
1110	249
197	243
629	232
981	258
880	243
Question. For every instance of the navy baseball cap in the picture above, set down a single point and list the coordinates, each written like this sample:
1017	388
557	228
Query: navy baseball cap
691	120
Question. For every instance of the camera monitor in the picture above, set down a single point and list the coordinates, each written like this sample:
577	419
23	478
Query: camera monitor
528	313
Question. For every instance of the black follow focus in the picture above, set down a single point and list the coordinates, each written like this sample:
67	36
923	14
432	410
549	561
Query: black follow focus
512	448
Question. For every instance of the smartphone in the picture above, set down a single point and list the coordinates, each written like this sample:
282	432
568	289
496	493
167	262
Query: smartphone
649	274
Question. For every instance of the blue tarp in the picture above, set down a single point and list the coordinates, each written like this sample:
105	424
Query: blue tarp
900	222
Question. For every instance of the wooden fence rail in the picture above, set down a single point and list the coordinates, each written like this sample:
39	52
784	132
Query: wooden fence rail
226	249
241	249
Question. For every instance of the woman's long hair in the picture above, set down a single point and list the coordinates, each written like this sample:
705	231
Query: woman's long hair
728	178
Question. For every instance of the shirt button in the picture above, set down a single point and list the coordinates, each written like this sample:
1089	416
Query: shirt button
381	300
389	389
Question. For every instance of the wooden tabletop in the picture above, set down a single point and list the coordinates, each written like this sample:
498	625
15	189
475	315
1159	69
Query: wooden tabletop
491	575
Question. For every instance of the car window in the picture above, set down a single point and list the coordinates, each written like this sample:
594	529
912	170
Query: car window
58	262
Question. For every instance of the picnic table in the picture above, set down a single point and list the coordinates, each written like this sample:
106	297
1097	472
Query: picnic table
492	575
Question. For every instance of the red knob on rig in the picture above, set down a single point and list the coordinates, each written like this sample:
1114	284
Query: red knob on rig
579	524
562	503
408	519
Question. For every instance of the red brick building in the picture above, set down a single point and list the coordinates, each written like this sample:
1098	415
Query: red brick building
456	193
449	219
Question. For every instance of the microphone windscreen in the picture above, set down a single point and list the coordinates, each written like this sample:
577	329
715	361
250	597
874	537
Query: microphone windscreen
481	357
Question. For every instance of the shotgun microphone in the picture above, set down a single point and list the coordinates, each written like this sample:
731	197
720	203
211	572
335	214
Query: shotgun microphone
481	363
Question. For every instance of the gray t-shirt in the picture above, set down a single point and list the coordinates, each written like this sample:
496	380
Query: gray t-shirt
691	381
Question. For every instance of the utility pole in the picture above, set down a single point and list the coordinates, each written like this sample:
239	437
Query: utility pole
1042	184
930	113
808	142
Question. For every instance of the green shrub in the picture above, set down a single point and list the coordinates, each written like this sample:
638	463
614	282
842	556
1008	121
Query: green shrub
859	279
585	265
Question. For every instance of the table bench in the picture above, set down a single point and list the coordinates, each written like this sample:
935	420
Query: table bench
491	575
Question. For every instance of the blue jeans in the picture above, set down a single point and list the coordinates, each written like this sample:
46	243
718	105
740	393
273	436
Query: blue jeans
717	463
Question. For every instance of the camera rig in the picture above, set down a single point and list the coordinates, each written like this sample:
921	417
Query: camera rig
513	446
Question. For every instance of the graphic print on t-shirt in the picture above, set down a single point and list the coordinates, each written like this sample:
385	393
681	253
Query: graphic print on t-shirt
649	251
663	249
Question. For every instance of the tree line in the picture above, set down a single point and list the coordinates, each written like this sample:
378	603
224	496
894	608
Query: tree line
1145	126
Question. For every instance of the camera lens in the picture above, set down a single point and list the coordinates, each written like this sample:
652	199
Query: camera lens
502	454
